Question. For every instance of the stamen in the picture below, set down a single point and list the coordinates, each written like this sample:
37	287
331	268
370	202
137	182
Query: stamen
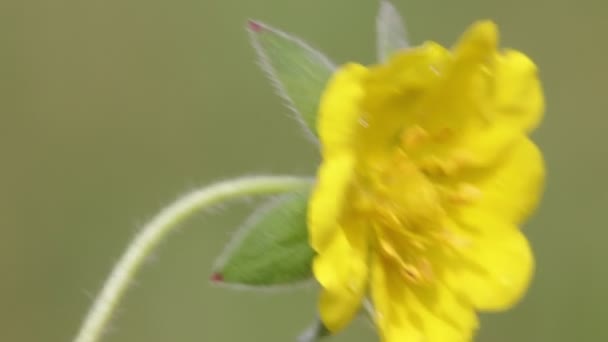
411	273
462	159
454	240
435	167
387	216
443	135
426	269
417	272
414	137
465	193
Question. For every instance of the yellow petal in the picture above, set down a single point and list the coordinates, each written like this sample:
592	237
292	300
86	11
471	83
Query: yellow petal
491	264
388	296
340	111
462	99
509	103
328	199
510	190
429	313
342	271
518	97
487	100
394	93
506	98
479	41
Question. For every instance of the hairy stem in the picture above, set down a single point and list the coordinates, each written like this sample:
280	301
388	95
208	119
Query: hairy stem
157	229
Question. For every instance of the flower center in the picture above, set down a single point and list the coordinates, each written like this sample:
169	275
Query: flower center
403	208
402	202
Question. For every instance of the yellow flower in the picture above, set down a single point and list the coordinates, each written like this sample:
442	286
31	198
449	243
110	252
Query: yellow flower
427	174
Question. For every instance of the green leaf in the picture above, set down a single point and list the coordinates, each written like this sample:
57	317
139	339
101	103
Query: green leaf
392	35
272	247
297	71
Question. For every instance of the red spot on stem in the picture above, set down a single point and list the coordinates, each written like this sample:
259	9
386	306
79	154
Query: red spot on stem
217	278
255	26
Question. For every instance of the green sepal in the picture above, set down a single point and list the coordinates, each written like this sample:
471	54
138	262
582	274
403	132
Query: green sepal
298	72
315	332
391	33
271	249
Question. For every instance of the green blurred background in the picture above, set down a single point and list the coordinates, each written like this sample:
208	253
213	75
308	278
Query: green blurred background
110	109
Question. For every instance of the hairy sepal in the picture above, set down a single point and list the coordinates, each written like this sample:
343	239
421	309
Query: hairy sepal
297	71
391	32
271	249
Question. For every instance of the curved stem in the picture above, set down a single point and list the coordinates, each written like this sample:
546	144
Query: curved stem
153	233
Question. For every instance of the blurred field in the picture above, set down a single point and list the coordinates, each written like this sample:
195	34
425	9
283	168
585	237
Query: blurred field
110	109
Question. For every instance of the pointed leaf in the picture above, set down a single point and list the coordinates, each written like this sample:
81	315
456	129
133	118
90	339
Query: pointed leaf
272	247
298	72
392	35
